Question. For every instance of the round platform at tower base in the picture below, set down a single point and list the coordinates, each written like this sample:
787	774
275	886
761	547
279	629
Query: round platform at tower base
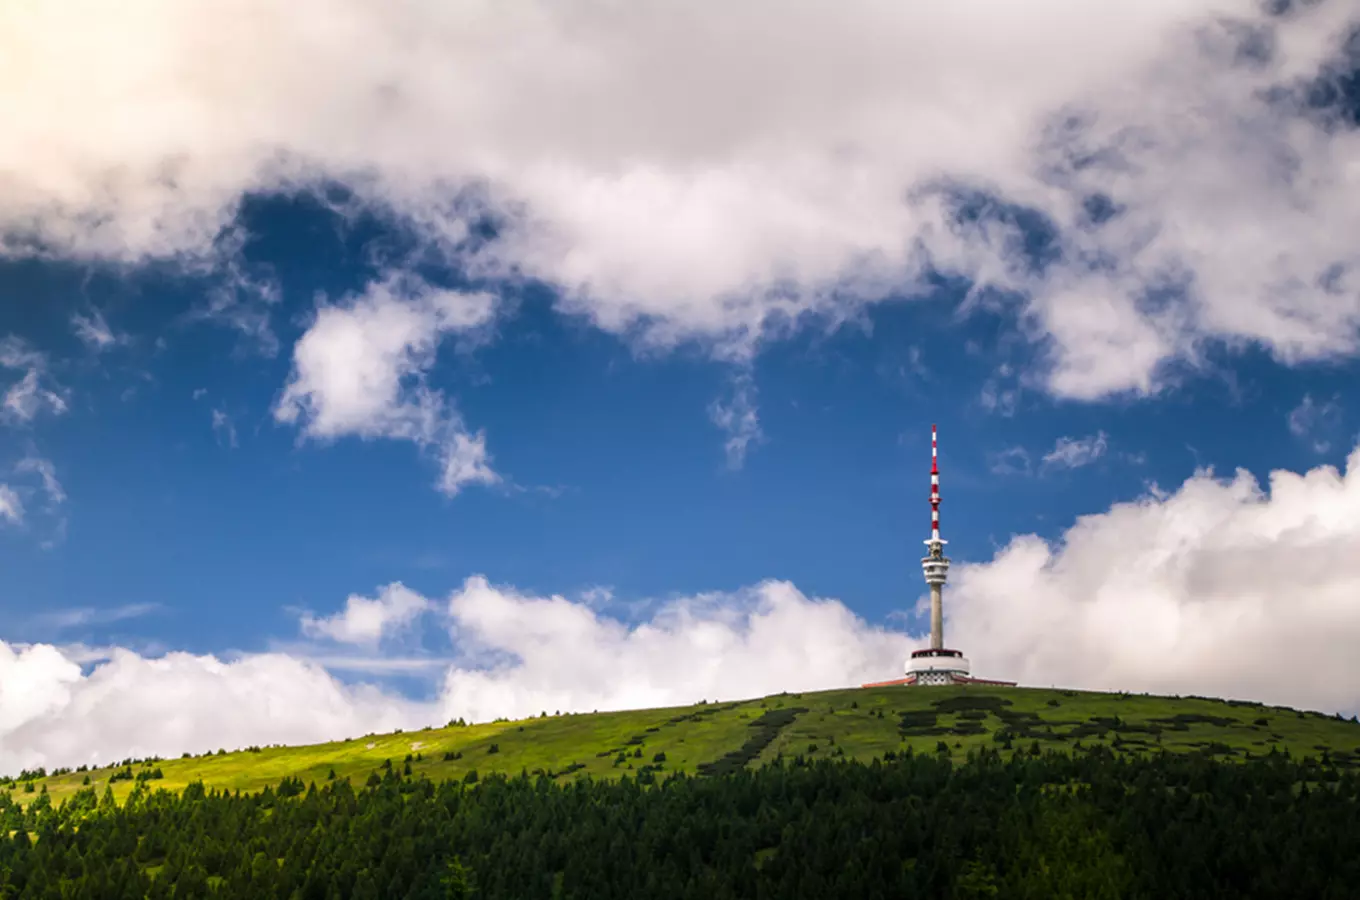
932	666
911	681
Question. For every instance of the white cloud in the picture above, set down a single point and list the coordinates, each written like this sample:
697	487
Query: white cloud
15	499
1312	421
524	654
15	353
543	653
1202	590
131	705
238	299
223	427
29	396
1067	453
1218	588
49	488
792	173
359	370
94	331
597	597
914	361
365	621
83	616
996	396
1011	461
46	471
374	664
11	507
739	420
1073	453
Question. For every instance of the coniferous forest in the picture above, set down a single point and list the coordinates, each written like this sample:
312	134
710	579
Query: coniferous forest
1089	825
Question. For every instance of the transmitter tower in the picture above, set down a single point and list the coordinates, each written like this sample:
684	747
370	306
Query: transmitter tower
936	664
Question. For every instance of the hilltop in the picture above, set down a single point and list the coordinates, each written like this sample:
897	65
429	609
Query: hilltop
712	738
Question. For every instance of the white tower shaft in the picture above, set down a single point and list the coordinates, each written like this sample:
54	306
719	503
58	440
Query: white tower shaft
935	565
936	617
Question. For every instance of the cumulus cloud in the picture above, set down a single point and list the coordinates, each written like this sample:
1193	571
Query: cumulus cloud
359	370
1073	453
130	705
1221	587
818	159
524	654
367	621
517	655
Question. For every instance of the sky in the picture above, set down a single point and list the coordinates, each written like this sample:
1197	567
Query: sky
370	366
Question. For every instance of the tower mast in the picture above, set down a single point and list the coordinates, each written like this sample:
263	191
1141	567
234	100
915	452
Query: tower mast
935	565
936	665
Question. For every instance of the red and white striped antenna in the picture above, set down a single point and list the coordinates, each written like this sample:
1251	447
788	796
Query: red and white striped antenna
934	485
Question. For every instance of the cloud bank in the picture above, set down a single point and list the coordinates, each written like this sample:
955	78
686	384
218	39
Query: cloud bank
52	714
1223	587
1188	170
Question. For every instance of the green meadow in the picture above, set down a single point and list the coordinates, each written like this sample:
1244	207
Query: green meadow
711	738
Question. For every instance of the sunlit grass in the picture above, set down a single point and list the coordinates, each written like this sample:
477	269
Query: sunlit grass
857	724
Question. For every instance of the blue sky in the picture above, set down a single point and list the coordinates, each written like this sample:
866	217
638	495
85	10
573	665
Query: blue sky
292	364
616	474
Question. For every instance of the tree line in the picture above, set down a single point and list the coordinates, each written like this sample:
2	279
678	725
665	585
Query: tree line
1092	824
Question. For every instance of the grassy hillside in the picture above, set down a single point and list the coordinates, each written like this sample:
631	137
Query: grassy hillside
710	738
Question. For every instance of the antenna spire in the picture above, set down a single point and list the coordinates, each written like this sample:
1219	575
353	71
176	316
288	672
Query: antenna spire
934	485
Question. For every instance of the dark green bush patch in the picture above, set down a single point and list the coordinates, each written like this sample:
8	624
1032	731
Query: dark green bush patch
766	729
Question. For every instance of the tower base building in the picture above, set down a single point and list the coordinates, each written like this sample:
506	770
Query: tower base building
931	667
